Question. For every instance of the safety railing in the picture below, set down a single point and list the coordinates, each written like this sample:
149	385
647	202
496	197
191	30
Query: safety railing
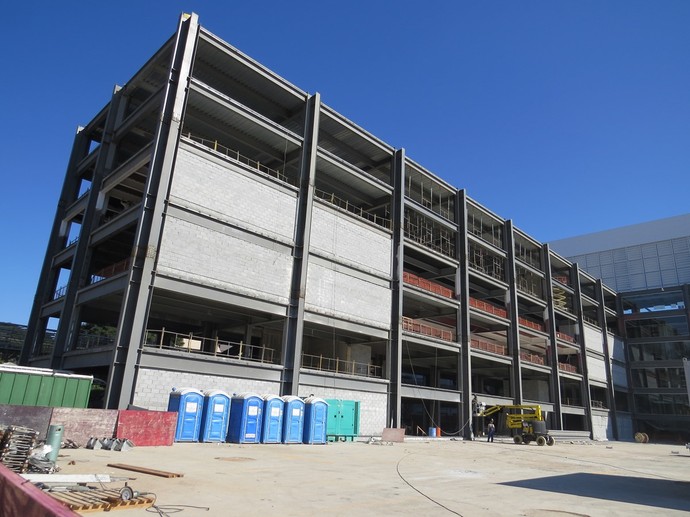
418	327
60	292
110	271
194	344
91	341
344	204
342	366
238	157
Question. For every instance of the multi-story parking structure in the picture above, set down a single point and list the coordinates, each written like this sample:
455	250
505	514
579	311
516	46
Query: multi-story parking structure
220	228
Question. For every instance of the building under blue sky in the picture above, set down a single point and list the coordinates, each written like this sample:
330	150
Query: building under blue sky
566	117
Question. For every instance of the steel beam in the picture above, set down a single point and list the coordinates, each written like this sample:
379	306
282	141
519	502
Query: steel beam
294	325
137	297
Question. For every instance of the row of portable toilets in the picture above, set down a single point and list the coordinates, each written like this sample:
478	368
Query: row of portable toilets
214	416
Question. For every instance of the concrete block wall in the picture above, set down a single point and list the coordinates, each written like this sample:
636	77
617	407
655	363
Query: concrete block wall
204	256
153	386
594	339
372	406
333	291
346	240
596	368
228	193
602	427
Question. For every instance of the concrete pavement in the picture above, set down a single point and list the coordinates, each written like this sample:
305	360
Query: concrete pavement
433	477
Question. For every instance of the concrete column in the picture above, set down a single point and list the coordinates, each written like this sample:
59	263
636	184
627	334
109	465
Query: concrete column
294	325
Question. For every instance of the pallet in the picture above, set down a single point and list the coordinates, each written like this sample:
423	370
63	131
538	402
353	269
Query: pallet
100	500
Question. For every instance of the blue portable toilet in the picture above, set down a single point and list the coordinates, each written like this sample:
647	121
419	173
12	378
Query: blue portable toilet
246	411
315	420
272	426
189	404
214	419
293	419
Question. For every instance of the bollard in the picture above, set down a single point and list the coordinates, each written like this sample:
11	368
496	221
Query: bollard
54	439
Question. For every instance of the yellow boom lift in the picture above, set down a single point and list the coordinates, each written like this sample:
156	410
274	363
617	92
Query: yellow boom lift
526	420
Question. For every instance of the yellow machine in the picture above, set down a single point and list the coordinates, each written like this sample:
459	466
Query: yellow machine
526	420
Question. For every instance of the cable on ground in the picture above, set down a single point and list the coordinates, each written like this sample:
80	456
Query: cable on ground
397	468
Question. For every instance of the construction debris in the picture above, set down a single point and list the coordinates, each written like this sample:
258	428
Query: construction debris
94	500
110	444
16	443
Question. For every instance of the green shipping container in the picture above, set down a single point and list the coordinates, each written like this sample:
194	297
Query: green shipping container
343	419
24	386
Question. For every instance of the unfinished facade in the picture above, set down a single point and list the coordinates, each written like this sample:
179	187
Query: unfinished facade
649	263
220	228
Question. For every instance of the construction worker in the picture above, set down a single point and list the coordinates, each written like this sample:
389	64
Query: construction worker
492	430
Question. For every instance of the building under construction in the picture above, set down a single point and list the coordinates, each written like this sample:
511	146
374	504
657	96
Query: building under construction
219	227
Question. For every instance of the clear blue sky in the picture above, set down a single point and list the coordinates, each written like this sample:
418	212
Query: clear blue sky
566	116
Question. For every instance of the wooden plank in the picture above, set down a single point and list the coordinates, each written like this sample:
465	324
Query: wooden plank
145	470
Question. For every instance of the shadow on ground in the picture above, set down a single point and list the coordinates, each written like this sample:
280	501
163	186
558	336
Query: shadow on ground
661	493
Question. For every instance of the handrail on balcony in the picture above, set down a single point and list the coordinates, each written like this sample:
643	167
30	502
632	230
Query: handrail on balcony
417	327
337	365
89	341
60	292
111	270
352	208
236	156
194	344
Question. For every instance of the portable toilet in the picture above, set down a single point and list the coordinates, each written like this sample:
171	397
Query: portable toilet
315	420
293	419
189	404
214	419
246	411
272	426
